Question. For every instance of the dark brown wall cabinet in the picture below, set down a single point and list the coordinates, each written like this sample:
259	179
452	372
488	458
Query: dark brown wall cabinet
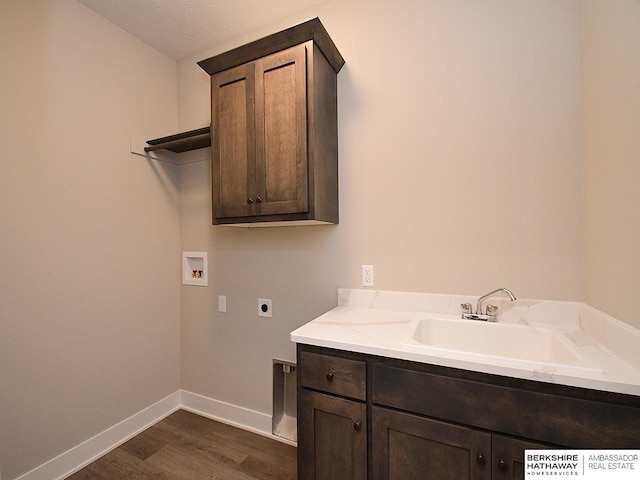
425	422
274	128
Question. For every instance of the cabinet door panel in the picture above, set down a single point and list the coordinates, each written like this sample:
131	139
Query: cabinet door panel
233	142
408	447
281	132
508	457
332	438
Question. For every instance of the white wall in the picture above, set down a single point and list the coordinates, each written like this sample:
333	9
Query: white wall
89	234
610	36
459	126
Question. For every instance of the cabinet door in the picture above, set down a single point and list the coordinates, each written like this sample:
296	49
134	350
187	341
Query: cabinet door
408	447
508	457
233	142
332	438
281	132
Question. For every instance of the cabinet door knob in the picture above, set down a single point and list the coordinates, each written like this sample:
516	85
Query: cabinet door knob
502	465
259	199
250	200
330	376
357	426
481	460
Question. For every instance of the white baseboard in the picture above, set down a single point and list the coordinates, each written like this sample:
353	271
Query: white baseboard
88	451
83	454
226	412
230	414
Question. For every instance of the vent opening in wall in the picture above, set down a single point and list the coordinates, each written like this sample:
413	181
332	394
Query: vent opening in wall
194	269
284	400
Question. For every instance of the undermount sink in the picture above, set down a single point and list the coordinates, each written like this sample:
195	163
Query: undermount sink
533	346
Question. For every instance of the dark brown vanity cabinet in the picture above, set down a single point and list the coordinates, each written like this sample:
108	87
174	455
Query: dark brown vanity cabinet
411	447
331	406
429	422
274	128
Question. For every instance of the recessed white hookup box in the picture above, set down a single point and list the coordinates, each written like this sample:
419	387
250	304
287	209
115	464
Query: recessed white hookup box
194	269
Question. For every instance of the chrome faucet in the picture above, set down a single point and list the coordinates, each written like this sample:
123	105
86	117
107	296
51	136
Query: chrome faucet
491	311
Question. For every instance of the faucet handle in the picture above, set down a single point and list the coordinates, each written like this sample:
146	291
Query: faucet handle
466	308
492	309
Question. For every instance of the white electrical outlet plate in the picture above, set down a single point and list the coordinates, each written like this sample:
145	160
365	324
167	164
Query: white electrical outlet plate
367	275
222	303
264	307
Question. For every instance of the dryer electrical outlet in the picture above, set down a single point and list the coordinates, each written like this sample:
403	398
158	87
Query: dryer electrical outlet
264	307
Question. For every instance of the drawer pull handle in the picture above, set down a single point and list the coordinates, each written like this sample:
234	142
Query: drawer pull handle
259	199
330	376
481	460
357	426
250	201
502	465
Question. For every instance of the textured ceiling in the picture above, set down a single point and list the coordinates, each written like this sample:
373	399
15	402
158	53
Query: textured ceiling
181	28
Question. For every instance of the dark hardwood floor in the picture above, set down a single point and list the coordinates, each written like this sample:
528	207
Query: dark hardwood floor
190	447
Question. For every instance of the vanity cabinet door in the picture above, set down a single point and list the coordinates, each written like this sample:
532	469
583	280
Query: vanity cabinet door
332	437
409	447
507	457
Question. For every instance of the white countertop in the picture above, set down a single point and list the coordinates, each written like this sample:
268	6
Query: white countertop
380	323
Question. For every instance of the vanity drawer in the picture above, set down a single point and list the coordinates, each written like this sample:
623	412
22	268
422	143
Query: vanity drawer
340	376
553	419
